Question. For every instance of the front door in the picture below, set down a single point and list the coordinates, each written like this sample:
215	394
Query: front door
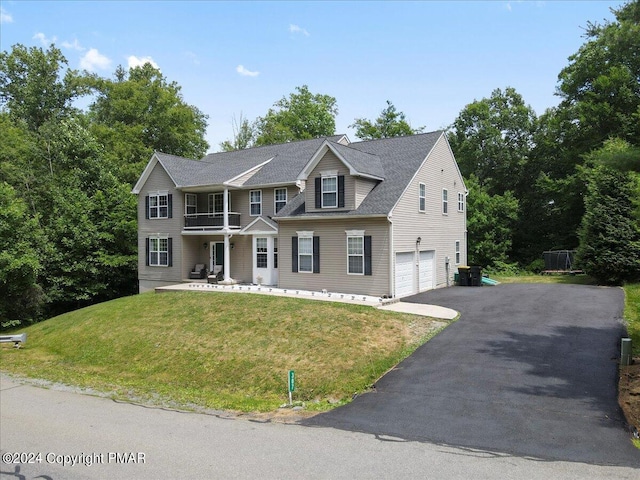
265	260
216	257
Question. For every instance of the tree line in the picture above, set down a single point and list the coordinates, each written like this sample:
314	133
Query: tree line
68	229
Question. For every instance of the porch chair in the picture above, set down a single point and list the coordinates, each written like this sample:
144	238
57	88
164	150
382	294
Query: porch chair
198	272
217	275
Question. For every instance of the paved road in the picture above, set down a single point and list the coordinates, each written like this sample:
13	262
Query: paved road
528	370
61	425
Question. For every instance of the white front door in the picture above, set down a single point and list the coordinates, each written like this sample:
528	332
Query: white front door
265	257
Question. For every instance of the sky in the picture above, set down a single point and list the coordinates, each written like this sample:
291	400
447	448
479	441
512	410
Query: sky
429	58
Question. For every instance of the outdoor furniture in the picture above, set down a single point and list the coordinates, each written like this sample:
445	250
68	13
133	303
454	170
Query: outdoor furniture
217	275
198	272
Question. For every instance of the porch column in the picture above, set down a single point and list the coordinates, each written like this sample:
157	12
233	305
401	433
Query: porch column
225	229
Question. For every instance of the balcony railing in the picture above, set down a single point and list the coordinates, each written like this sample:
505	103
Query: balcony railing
210	221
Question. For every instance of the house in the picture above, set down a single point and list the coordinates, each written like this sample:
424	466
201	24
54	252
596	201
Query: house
383	217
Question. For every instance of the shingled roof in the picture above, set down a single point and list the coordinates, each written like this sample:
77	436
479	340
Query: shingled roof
399	157
395	160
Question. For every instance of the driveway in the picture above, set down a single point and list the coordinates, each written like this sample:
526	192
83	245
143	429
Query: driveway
528	370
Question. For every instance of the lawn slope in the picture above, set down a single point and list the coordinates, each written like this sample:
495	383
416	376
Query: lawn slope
219	350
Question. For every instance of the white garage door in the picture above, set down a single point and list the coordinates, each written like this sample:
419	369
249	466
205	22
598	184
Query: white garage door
426	270
405	269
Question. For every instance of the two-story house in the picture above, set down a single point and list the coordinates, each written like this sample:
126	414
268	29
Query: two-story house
383	217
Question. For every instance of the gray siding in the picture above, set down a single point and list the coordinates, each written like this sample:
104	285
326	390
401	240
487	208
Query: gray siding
437	231
333	274
330	162
172	227
362	188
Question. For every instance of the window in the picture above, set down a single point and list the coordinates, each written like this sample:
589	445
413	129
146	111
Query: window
159	205
445	201
261	252
329	192
158	251
355	255
457	252
423	197
460	202
255	202
190	204
216	203
280	196
275	252
305	254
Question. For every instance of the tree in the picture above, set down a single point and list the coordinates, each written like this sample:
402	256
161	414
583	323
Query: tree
390	123
301	116
492	139
21	298
490	221
243	136
135	115
609	247
600	88
36	85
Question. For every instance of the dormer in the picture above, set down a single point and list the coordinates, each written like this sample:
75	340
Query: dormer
338	178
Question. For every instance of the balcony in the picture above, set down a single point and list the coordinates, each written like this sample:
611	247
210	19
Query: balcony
210	221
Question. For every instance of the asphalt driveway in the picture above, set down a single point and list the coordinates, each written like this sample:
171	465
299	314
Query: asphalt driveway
528	370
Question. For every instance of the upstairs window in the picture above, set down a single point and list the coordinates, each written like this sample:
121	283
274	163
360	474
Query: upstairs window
329	192
460	202
158	205
255	202
280	198
190	204
445	201
216	203
422	195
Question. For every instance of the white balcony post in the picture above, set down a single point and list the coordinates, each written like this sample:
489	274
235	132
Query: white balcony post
227	250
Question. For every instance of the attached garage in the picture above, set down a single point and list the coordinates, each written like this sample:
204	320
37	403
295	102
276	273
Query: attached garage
406	282
404	274
426	270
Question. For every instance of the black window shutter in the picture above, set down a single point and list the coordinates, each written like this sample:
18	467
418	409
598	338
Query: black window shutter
146	207
340	191
146	242
170	251
367	254
318	192
170	205
316	254
294	254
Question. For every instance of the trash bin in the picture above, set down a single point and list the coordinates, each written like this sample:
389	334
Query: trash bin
475	276
464	276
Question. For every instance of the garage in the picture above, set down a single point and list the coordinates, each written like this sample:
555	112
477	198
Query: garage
426	270
405	268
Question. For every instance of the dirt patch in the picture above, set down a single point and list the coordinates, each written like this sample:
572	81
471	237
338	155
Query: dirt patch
629	395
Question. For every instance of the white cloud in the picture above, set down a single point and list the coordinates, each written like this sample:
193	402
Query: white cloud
296	29
5	17
246	73
42	38
193	57
75	45
94	60
134	61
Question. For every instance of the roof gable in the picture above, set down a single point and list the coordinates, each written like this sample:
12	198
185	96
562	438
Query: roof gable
359	163
156	159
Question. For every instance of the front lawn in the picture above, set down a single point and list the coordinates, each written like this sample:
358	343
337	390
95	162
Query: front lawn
219	350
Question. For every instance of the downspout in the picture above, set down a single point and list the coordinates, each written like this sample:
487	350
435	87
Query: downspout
392	279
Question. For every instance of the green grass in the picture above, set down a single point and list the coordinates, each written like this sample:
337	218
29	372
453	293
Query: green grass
218	350
632	314
531	278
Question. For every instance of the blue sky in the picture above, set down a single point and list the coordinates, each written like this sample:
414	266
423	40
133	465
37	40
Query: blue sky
429	58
